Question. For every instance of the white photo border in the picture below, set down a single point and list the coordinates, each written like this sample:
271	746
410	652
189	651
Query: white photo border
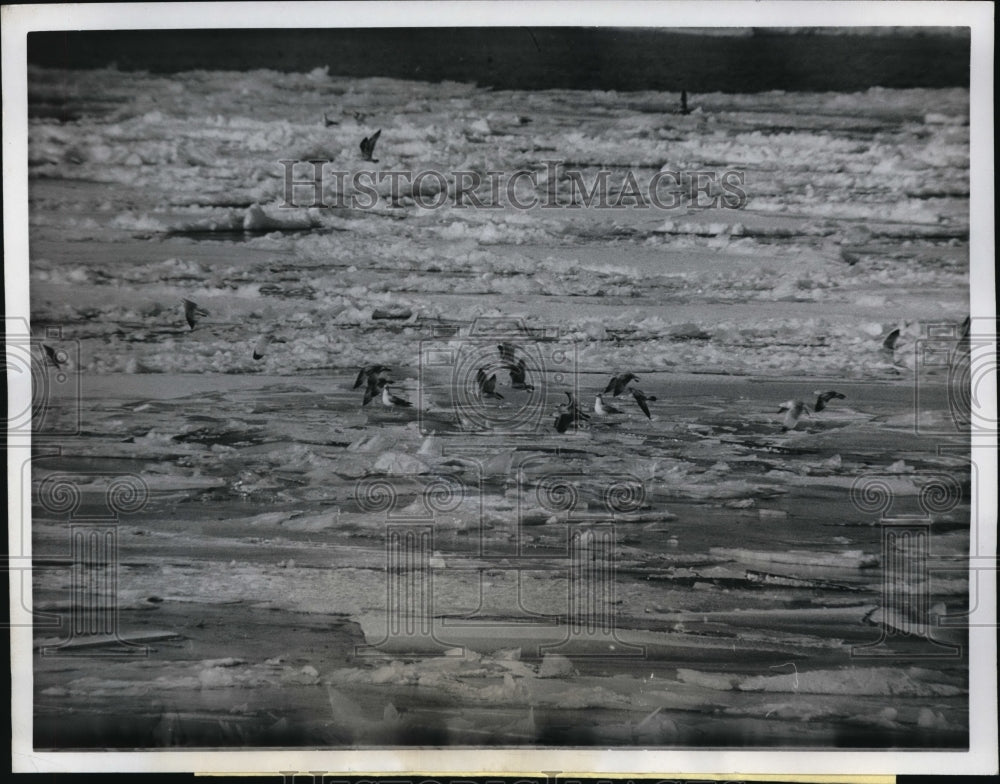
18	21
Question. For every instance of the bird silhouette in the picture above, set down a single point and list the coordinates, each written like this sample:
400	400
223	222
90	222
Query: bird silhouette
518	376
368	146
684	102
822	398
891	341
192	312
641	398
367	372
618	383
487	385
565	418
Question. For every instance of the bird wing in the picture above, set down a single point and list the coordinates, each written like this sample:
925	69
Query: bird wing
361	378
373	139
562	422
641	400
611	386
490	384
890	340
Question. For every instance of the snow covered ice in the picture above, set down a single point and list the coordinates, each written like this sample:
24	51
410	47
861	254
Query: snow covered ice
744	575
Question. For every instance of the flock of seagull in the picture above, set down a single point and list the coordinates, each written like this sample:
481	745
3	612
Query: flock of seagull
569	415
377	384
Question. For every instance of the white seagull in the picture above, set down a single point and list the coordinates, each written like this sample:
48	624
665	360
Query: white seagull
390	400
793	411
604	409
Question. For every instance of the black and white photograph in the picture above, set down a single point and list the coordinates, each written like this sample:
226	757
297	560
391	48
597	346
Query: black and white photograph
507	384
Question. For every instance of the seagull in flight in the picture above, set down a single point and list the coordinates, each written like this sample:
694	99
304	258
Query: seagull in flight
366	373
618	383
793	411
518	376
368	146
192	312
328	122
891	341
822	398
487	385
641	398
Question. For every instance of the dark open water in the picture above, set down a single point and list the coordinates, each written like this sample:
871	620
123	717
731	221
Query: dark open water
538	58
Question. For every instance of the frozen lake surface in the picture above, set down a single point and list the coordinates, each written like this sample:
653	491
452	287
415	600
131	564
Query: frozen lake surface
732	577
